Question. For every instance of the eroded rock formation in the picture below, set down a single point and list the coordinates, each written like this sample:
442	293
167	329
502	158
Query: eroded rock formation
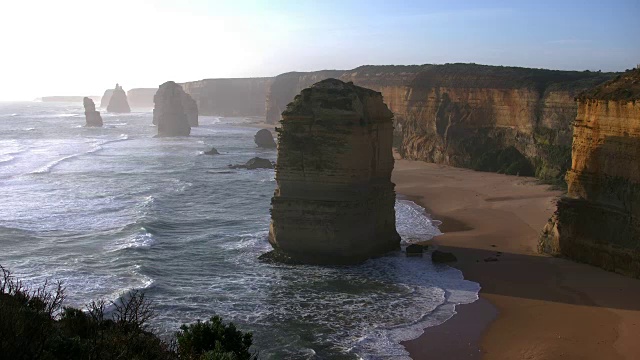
264	139
92	116
169	112
598	222
106	97
334	201
191	108
118	102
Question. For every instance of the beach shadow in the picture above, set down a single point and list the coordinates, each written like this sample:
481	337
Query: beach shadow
546	278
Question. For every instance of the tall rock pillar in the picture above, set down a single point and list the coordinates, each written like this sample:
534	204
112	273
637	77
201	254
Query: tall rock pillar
334	201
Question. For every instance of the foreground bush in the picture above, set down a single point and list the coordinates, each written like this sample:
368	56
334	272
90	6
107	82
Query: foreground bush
35	325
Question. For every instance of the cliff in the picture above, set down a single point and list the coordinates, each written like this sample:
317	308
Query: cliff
141	97
74	99
334	201
106	97
229	97
469	115
598	222
92	116
118	102
169	112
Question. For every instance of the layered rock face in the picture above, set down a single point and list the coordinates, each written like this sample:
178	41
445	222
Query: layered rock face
229	97
118	102
191	108
169	112
598	222
141	97
334	201
92	116
106	97
469	115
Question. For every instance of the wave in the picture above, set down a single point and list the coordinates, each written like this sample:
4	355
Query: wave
48	167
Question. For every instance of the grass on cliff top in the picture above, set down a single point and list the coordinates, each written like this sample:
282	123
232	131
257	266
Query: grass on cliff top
507	77
624	87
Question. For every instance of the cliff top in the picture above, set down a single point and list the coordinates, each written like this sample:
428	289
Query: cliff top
624	87
335	97
506	77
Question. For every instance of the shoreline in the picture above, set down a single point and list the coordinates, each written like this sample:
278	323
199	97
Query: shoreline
531	306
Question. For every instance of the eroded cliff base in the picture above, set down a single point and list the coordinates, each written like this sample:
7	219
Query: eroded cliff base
593	234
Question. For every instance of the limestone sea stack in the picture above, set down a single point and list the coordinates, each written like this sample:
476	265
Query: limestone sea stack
264	139
191	108
598	222
93	117
169	112
334	201
118	102
106	97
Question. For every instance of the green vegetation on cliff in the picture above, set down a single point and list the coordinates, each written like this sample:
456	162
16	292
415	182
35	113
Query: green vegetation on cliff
624	87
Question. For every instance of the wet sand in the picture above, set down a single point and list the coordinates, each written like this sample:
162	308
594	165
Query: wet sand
531	306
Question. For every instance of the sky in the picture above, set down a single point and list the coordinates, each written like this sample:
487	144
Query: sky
82	47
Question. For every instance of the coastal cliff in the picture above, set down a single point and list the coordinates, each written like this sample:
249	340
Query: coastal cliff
141	97
118	102
598	222
229	97
169	112
503	119
334	201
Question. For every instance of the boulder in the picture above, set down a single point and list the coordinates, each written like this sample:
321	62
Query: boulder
255	163
92	116
213	151
264	139
414	250
118	102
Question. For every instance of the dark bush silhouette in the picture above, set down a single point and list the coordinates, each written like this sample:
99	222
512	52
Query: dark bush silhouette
34	325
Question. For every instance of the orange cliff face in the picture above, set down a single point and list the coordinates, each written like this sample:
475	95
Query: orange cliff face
599	220
511	120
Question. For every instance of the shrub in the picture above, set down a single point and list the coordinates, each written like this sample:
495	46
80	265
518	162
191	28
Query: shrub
34	325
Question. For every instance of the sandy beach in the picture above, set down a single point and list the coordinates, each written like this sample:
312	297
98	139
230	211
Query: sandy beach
531	306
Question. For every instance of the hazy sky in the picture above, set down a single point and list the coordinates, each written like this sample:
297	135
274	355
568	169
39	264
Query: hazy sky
82	47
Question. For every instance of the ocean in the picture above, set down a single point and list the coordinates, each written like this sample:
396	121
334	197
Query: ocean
111	209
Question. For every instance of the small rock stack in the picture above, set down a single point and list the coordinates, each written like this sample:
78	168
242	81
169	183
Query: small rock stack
169	112
92	116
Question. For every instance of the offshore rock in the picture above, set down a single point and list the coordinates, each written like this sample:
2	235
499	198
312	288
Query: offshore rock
255	163
334	201
213	151
106	97
118	102
92	116
264	139
598	222
169	112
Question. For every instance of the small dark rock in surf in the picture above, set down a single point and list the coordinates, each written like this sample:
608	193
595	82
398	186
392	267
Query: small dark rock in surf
414	250
213	151
264	139
255	163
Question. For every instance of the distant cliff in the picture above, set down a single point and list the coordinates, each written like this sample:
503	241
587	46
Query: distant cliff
503	119
229	97
74	99
141	97
598	222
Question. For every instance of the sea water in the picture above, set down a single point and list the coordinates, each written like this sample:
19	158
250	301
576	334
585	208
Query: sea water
111	209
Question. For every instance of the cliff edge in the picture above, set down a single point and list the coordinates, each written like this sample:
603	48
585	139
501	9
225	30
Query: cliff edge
598	222
334	201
